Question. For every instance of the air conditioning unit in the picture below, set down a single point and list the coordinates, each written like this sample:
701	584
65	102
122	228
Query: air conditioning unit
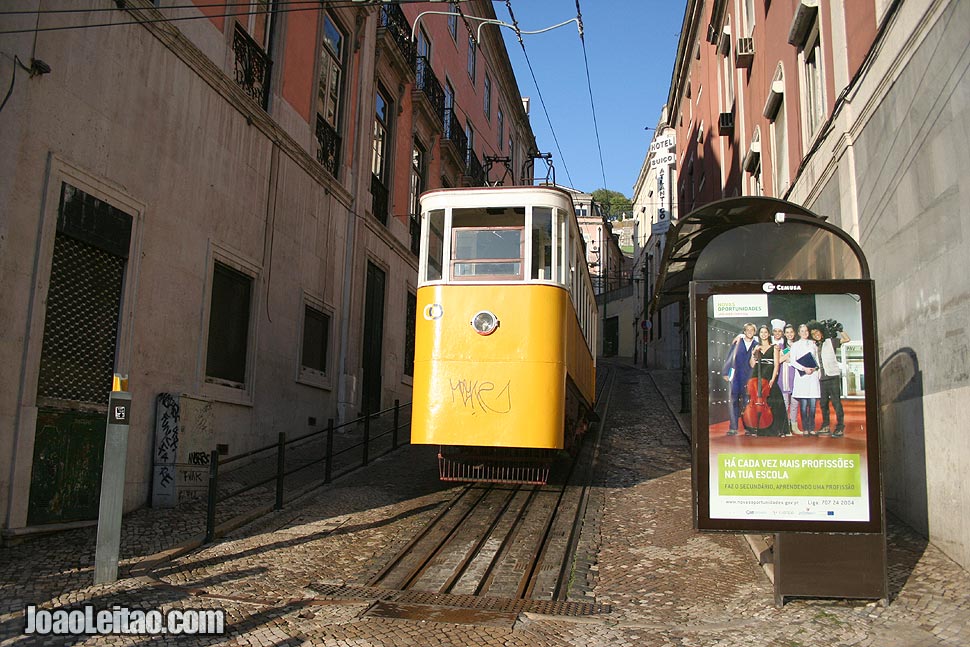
725	123
744	53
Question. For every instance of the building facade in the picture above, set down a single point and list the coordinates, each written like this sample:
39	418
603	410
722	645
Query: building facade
608	269
655	209
857	110
218	201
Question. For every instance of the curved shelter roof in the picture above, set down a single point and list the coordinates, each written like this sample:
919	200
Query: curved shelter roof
746	239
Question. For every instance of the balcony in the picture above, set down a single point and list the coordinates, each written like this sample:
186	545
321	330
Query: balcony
428	89
395	28
455	142
328	146
252	66
474	173
380	199
414	228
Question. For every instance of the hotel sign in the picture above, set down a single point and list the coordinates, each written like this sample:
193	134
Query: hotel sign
663	144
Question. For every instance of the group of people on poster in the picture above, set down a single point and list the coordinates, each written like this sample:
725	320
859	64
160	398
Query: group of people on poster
776	380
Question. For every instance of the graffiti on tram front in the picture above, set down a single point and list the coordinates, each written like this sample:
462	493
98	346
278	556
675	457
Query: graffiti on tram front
481	395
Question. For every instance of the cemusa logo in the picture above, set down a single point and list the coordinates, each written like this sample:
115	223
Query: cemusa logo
768	286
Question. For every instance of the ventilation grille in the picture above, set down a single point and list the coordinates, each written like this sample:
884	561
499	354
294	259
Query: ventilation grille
81	324
478	603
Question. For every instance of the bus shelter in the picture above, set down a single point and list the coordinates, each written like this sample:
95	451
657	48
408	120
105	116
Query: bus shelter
783	389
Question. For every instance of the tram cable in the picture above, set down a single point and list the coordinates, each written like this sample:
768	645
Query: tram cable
589	85
518	33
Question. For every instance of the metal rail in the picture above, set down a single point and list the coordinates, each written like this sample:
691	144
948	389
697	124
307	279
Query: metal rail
544	506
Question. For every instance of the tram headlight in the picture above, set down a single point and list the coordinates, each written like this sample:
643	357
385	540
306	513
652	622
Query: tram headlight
484	322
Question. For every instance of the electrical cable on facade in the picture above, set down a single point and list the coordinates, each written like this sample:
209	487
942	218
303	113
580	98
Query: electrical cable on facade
276	9
122	5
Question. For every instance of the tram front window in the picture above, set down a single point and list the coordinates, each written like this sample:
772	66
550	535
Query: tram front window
487	244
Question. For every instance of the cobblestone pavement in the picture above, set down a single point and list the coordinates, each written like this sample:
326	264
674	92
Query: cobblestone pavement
667	584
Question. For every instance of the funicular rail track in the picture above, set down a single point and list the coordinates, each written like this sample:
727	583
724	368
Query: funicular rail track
507	547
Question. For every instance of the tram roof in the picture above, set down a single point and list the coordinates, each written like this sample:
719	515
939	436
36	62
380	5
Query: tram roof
742	239
497	195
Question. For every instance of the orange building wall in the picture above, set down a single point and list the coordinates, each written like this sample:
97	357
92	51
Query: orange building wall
299	58
860	32
215	12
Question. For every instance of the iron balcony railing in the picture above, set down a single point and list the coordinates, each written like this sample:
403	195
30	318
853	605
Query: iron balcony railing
474	170
379	194
252	66
414	228
428	84
399	29
328	146
454	132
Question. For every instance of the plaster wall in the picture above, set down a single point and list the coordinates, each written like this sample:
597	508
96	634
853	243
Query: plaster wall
202	183
902	158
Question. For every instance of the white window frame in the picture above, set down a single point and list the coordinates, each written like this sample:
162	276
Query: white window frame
727	70
304	374
811	71
780	176
487	97
749	17
214	387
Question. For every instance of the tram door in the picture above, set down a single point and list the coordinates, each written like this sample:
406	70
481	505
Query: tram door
77	357
373	338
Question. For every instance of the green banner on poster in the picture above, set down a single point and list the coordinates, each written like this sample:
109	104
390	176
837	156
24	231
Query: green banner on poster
835	475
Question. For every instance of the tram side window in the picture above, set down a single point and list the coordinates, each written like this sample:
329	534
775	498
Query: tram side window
487	244
542	243
577	255
436	243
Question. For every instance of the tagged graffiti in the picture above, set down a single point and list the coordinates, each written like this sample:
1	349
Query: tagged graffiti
167	429
198	458
481	395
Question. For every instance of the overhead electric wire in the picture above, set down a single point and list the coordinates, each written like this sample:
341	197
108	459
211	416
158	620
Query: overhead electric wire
518	33
589	85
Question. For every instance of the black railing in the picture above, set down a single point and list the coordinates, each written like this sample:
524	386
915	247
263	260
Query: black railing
473	169
454	132
315	449
328	146
398	28
414	228
252	66
380	199
429	85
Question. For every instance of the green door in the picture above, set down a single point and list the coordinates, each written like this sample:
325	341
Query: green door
77	357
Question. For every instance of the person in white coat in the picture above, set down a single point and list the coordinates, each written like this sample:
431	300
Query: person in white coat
806	388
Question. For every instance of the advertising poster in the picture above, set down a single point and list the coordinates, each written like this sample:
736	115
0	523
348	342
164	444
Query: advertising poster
785	435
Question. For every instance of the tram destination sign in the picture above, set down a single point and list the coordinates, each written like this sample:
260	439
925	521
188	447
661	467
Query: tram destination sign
785	426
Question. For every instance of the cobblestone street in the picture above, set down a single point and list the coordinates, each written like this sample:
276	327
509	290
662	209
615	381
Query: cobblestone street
666	584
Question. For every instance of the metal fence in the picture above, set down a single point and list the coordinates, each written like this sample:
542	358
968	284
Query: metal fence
338	449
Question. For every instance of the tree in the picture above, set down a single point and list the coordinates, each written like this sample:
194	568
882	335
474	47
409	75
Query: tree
616	205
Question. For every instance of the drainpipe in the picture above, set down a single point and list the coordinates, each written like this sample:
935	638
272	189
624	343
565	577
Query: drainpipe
347	382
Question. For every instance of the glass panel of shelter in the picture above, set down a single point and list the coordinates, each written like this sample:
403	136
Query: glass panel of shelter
804	252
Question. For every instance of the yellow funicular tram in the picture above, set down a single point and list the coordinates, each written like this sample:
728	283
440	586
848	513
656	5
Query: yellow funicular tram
504	369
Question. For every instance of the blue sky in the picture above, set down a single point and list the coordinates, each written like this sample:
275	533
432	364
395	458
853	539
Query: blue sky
630	45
